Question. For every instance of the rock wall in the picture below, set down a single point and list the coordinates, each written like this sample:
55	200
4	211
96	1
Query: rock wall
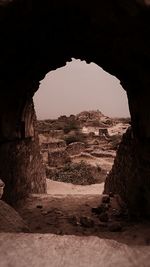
21	170
130	175
53	145
11	222
21	167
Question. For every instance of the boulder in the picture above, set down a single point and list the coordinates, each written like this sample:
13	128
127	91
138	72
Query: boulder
10	220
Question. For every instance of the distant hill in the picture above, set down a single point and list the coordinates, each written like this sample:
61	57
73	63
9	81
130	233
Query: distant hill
94	118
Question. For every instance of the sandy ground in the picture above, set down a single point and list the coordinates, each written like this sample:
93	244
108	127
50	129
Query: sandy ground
59	188
58	238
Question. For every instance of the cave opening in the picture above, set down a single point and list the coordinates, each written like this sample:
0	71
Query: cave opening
40	37
82	112
76	170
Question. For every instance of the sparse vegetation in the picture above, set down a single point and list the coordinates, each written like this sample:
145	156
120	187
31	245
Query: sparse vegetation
76	137
70	125
81	148
75	173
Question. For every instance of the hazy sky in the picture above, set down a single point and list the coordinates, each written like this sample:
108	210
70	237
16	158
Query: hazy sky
77	87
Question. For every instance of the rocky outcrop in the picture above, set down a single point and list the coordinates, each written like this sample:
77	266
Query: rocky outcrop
129	176
10	220
21	167
21	170
93	118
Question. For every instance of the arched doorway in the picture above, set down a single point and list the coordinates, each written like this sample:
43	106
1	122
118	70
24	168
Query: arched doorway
45	37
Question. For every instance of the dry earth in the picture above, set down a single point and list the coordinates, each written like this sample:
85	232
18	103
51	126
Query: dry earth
95	147
65	233
67	210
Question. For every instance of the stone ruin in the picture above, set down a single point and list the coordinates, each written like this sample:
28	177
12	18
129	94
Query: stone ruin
75	148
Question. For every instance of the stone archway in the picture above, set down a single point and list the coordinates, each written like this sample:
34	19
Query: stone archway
39	37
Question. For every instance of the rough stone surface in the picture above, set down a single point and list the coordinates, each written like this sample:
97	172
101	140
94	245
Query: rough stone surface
10	220
49	145
21	170
38	250
21	166
129	176
47	142
124	171
1	188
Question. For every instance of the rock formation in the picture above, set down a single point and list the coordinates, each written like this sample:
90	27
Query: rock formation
129	176
11	222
